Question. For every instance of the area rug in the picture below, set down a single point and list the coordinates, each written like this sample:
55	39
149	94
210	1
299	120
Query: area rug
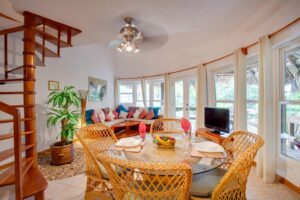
63	171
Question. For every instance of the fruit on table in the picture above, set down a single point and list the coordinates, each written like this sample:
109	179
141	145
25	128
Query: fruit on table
164	140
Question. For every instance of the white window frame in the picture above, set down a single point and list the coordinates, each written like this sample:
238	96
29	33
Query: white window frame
211	72
254	57
133	91
288	46
134	84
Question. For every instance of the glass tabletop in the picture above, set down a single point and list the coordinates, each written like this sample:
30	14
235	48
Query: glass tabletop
181	153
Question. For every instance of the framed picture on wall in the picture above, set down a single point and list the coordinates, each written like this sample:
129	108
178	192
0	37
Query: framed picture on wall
53	85
97	89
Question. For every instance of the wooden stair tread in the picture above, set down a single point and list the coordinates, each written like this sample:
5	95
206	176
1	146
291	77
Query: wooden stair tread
50	38
8	176
11	120
16	70
38	61
48	52
10	152
22	106
17	92
15	80
34	182
11	135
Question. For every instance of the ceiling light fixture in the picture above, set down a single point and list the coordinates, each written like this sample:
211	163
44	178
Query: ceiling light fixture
130	35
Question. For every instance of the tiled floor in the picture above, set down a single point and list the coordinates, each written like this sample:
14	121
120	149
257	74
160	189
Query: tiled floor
73	189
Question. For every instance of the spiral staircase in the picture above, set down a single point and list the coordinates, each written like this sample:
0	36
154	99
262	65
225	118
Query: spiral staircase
18	164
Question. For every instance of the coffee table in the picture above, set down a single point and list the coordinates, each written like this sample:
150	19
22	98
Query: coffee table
126	129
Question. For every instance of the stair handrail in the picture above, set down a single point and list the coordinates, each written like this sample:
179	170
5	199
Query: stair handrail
15	113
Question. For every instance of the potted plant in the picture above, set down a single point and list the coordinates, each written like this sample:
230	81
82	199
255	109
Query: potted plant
65	104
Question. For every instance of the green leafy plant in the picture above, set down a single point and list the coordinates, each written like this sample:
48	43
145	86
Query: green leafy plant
65	104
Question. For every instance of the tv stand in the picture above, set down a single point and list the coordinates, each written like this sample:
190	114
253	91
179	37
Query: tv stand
210	135
214	131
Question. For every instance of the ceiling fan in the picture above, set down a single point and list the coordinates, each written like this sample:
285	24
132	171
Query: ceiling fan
130	37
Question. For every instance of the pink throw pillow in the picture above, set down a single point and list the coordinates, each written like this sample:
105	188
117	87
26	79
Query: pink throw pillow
150	115
116	114
107	118
95	117
130	114
143	114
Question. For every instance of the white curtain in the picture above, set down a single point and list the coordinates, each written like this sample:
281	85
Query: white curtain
266	158
240	106
143	85
116	91
201	95
166	96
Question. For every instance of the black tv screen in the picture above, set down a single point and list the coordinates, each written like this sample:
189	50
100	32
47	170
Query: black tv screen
217	119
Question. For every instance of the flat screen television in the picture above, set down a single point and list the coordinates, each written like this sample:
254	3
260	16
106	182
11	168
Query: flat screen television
217	119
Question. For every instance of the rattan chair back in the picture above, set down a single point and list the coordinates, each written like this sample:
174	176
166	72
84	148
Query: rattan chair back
233	184
95	139
166	126
236	144
142	180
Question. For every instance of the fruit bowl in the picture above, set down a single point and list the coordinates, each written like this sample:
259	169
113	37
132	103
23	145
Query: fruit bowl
166	142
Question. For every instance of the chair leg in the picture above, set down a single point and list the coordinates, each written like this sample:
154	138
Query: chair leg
40	196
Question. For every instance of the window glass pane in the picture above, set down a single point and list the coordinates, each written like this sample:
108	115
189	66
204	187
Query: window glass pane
192	102
252	117
252	80
139	104
179	98
157	91
148	92
292	74
229	106
126	88
126	98
156	104
139	94
224	83
290	130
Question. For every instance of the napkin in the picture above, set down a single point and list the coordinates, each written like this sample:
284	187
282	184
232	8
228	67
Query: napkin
132	149
206	161
195	153
128	143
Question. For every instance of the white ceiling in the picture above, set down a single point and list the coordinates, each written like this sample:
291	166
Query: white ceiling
186	32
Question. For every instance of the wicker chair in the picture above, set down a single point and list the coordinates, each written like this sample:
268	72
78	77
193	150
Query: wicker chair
233	184
142	180
95	139
166	126
236	144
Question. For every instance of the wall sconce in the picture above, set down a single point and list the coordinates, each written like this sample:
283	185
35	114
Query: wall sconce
83	96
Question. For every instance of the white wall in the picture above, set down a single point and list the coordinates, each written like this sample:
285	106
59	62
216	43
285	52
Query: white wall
73	68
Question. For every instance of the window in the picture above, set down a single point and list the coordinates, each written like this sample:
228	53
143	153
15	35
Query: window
126	93
155	93
252	94
224	92
130	93
290	101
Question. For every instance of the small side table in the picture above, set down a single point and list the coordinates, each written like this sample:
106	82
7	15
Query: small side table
204	132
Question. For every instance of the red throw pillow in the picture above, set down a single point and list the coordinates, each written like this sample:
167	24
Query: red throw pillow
95	118
130	114
107	118
106	111
150	115
116	114
143	114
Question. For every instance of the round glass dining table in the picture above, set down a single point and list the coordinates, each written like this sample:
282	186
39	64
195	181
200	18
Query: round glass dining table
181	153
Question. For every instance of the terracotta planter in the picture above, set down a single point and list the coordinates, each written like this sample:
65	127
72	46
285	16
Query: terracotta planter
62	154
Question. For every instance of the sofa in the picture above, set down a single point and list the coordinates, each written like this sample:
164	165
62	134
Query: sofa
121	114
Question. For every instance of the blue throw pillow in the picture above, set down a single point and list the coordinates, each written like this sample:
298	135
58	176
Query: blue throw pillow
121	108
155	110
88	116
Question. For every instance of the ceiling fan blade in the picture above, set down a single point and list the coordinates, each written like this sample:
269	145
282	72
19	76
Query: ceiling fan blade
114	43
